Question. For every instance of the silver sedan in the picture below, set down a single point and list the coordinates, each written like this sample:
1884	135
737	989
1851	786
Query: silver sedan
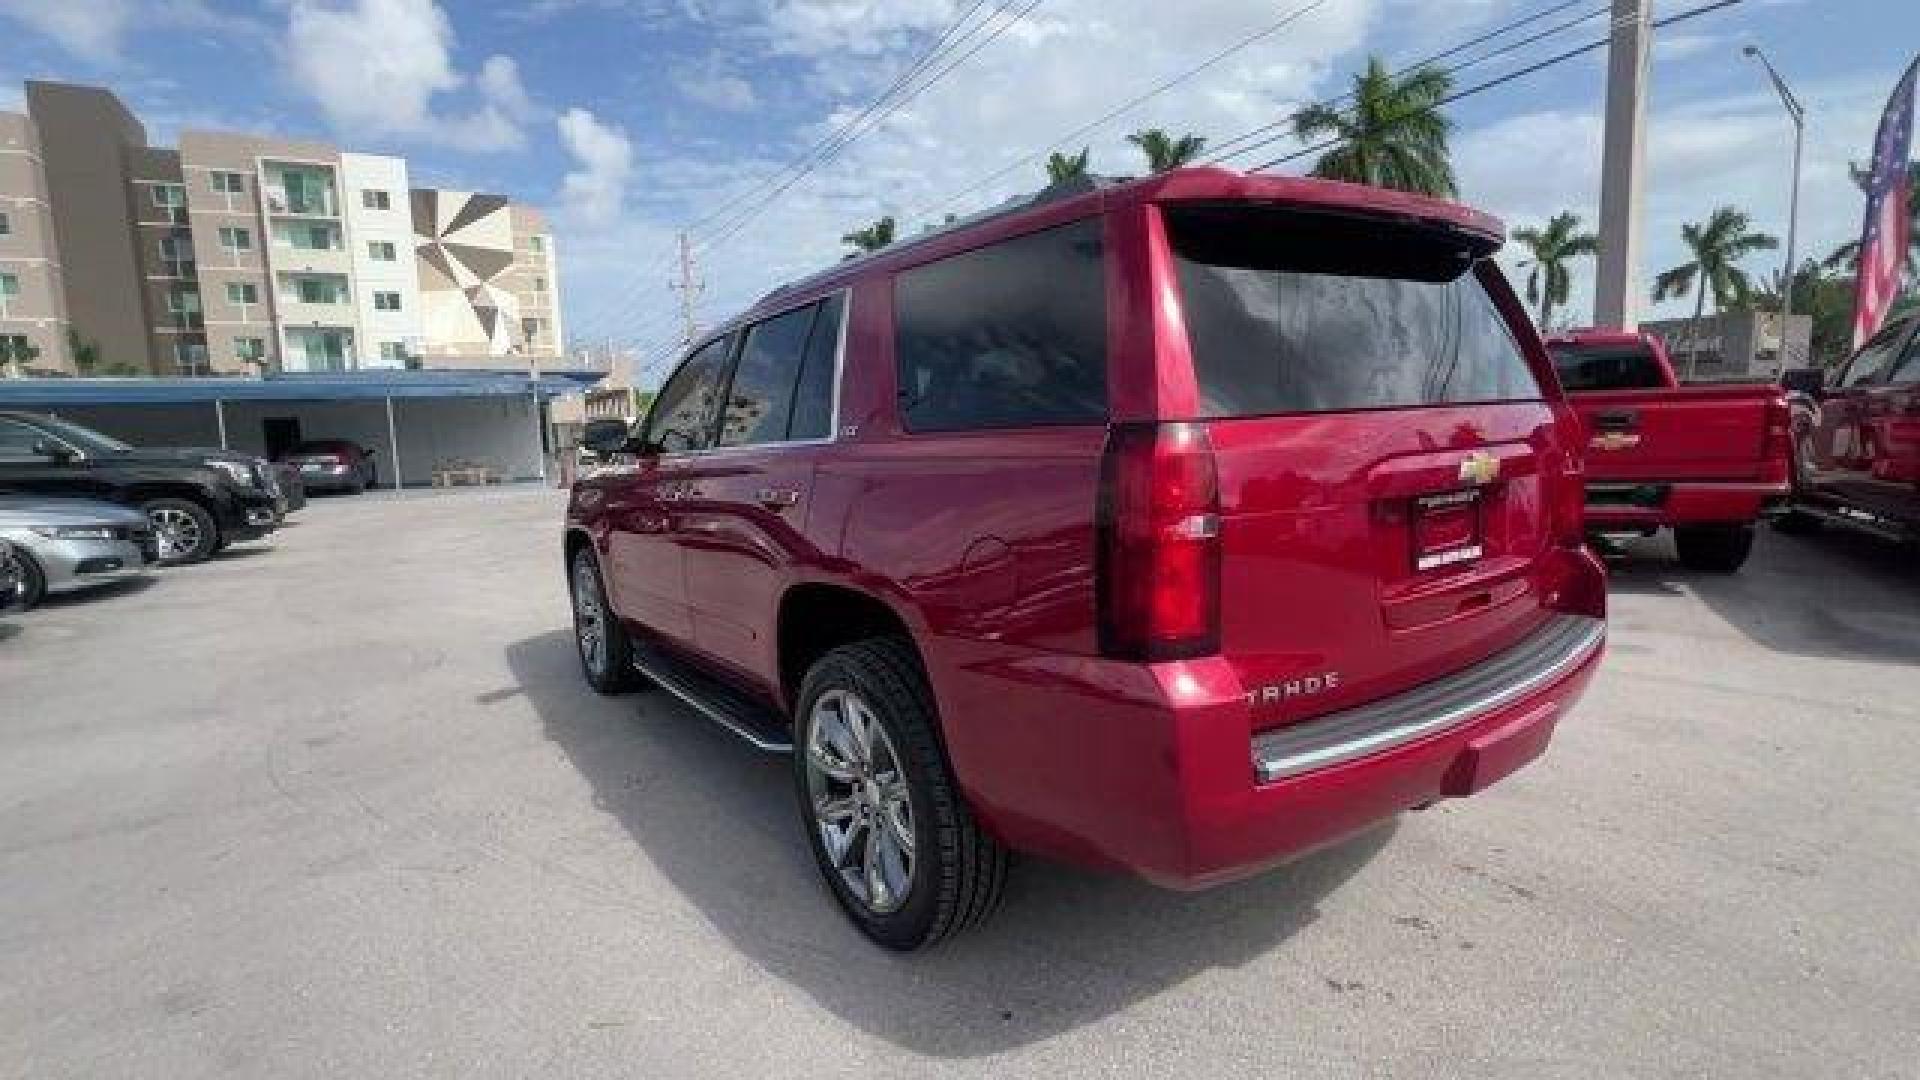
62	544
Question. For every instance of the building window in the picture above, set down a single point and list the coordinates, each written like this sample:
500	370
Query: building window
537	243
16	349
250	349
320	290
375	199
191	358
393	352
532	328
386	301
235	238
539	284
169	196
183	301
9	285
242	292
228	182
5	226
380	251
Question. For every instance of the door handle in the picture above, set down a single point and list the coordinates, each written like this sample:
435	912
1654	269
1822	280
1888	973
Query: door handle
1623	420
777	498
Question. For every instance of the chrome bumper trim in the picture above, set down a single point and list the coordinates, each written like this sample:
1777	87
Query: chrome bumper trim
1559	646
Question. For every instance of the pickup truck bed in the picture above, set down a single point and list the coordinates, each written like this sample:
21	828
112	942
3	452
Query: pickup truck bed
1705	460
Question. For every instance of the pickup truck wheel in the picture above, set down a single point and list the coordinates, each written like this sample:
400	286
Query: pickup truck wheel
605	653
1721	549
33	582
898	847
184	530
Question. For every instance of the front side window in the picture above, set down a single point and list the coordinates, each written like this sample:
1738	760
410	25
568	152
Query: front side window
1009	335
1907	371
761	397
683	413
1874	359
1292	312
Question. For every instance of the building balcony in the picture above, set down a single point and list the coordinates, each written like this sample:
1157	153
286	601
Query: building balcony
288	259
296	312
280	206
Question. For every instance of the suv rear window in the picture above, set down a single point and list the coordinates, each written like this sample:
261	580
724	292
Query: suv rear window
1290	312
1606	367
1009	335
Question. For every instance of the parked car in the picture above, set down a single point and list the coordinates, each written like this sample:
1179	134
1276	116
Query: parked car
1706	461
62	544
1857	438
9	577
1176	527
198	501
333	465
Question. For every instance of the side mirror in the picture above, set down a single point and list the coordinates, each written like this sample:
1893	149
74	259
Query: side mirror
605	437
1809	381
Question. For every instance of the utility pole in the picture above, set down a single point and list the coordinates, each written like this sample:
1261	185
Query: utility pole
1616	291
1797	113
689	288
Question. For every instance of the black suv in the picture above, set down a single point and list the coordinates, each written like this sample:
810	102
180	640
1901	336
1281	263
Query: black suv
198	500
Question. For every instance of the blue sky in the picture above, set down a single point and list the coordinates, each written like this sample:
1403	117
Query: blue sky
630	119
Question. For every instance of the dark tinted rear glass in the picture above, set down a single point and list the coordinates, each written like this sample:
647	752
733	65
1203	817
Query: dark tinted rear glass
1009	335
813	397
1606	367
1294	312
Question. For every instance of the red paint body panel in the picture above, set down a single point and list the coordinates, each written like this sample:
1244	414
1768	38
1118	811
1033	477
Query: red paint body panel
986	545
1859	441
1704	450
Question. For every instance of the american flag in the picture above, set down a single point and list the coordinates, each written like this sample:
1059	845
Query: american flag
1883	240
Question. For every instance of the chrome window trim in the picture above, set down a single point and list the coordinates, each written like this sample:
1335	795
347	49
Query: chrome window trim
845	294
1558	647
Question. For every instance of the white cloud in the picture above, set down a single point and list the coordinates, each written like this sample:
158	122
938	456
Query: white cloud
94	30
597	190
376	68
710	83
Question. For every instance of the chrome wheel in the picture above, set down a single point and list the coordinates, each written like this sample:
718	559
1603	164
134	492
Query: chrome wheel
177	531
861	805
589	618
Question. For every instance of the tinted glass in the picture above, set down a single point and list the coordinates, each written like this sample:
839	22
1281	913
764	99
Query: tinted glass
683	414
813	397
1010	335
1606	367
1875	357
763	379
1907	371
19	442
1291	312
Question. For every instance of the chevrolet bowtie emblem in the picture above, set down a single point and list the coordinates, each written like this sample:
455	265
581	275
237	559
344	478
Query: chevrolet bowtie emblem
1614	440
1479	468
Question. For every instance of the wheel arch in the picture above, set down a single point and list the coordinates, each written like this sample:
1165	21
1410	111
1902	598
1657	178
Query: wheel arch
815	617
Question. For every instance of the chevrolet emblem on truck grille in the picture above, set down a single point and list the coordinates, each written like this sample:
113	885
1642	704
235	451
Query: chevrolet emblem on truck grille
1479	468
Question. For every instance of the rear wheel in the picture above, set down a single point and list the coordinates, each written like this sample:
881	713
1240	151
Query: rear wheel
1718	549
897	846
185	531
605	653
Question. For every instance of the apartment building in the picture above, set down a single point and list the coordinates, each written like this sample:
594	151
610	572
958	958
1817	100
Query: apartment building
239	253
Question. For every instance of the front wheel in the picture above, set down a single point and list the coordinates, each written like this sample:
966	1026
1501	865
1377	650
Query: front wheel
33	582
606	656
1718	549
185	531
896	844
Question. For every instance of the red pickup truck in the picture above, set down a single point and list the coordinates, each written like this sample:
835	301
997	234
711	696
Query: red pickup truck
1175	527
1706	460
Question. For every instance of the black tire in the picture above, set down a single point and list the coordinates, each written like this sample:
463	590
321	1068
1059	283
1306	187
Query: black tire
1798	523
1714	549
958	871
610	670
33	582
206	537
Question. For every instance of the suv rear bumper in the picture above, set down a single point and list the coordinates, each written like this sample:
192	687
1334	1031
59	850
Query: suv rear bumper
1635	505
1168	781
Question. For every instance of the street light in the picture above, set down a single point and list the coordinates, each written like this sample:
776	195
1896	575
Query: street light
1798	114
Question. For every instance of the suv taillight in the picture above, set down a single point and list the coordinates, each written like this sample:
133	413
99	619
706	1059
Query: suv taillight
1159	555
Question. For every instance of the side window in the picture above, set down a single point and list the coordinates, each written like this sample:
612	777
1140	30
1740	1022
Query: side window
20	443
813	396
761	396
682	416
1907	371
1010	335
1870	364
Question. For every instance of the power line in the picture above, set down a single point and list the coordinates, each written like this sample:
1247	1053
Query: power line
1551	61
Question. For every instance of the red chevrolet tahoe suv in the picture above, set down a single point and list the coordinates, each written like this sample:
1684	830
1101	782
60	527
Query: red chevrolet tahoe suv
1175	527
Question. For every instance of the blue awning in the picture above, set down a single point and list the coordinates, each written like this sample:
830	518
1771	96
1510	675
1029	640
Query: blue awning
329	386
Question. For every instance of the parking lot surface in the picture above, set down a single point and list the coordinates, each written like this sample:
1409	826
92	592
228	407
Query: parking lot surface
339	804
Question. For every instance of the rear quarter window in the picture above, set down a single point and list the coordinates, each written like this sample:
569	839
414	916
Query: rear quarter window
1292	312
1013	334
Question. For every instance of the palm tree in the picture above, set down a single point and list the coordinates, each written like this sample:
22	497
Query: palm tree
1063	167
872	238
1847	256
1552	249
1717	248
1393	135
1165	152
